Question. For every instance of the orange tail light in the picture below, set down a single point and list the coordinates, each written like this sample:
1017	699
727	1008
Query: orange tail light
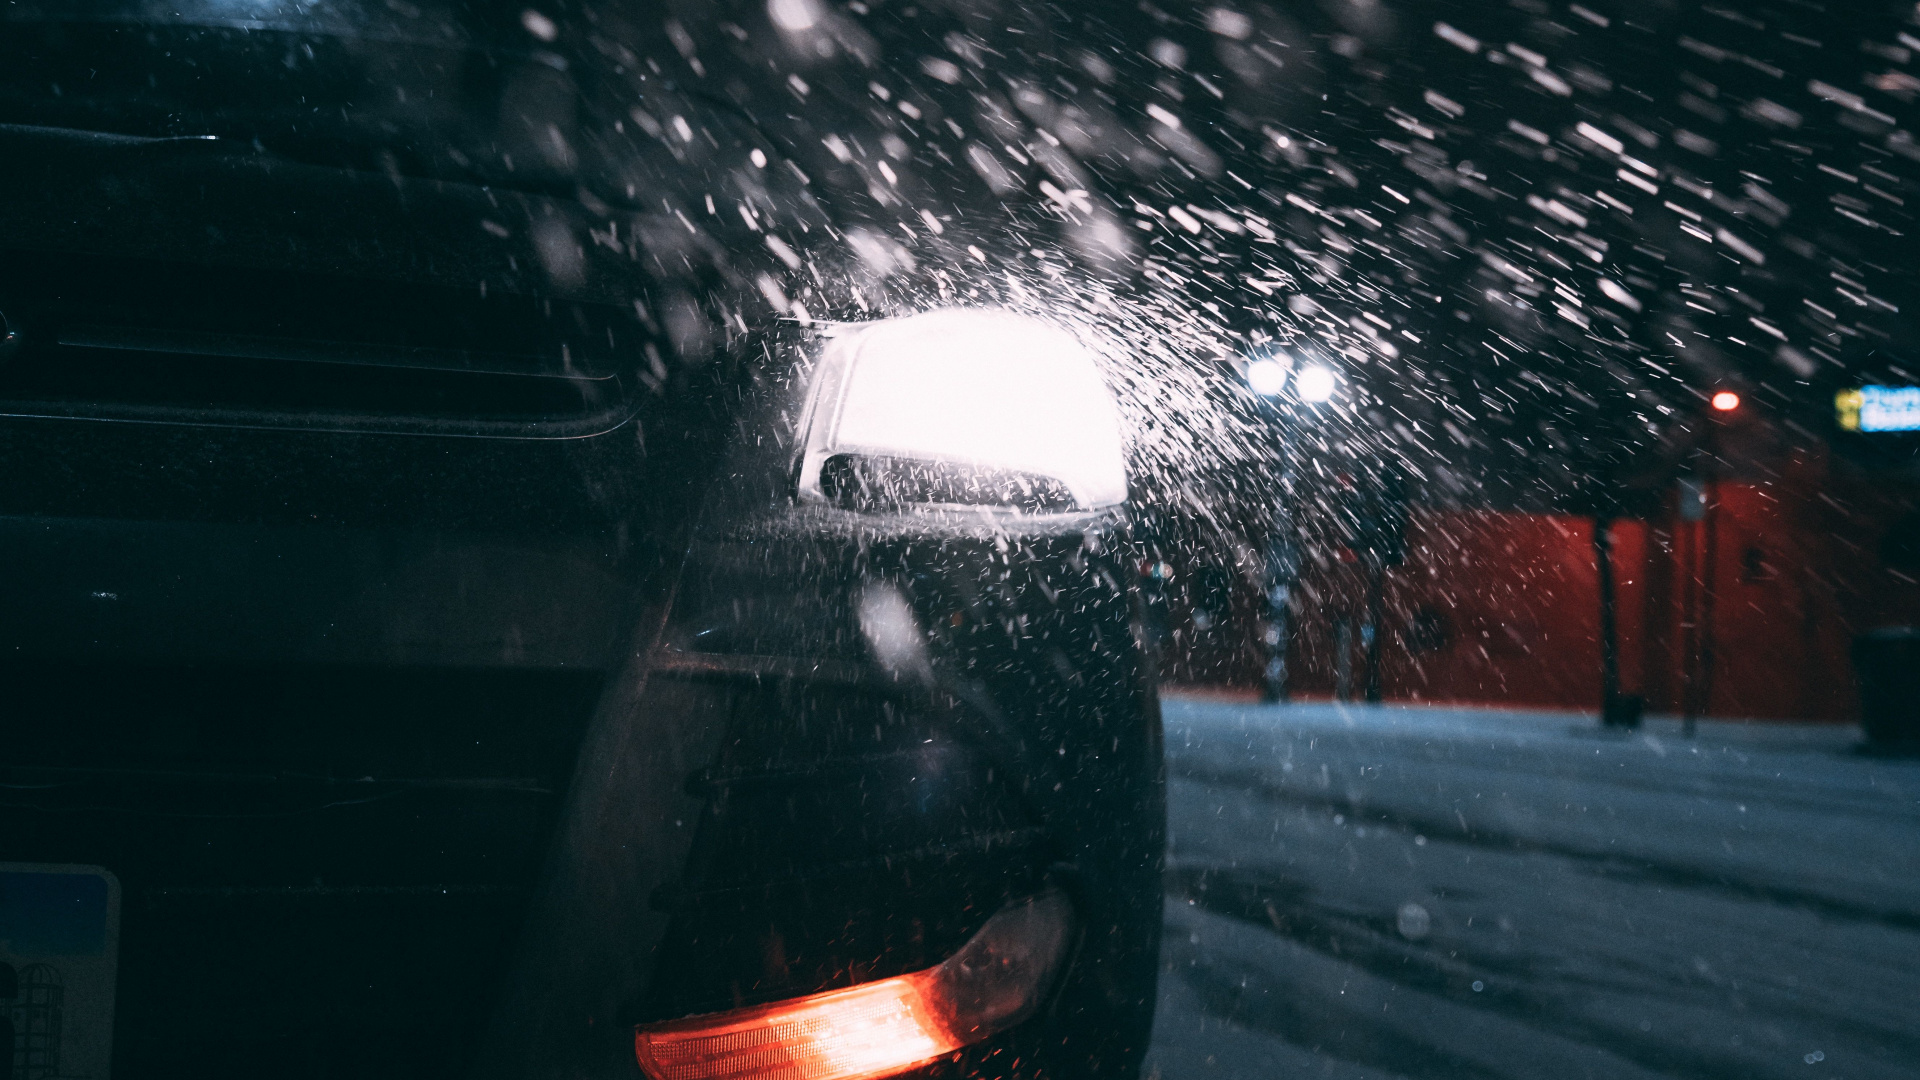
879	1028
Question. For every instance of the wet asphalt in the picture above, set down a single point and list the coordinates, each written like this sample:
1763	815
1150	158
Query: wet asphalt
1383	892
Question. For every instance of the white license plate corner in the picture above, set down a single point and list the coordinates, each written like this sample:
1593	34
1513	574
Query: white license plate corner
59	954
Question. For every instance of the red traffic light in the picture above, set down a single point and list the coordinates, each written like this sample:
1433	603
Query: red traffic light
1726	401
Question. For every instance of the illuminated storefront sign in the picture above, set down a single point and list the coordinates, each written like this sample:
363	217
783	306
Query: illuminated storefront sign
1879	408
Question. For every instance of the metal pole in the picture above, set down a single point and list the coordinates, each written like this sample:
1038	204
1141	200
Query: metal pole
1609	622
1376	601
1697	655
1687	541
1277	634
1343	659
1710	560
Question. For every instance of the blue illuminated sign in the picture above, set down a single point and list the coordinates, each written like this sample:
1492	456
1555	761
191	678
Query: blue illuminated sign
1880	408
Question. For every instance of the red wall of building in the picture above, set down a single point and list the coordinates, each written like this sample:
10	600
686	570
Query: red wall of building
1503	608
1488	608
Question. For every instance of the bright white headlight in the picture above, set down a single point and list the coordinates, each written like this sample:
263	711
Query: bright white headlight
1267	376
965	407
1316	384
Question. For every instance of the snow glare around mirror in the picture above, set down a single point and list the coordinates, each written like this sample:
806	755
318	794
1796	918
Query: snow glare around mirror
1489	256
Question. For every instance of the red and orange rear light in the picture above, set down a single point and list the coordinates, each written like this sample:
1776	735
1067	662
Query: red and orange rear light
879	1028
862	1032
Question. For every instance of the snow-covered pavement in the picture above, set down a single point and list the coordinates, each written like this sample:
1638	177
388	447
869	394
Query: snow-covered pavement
1360	891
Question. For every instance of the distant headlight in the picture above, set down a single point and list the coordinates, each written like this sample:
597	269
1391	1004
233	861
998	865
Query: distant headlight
1267	376
961	408
1316	384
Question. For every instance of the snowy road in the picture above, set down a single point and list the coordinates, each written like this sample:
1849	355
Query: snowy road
1400	892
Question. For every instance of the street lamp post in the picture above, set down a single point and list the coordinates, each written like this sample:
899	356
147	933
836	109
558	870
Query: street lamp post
1698	657
1272	376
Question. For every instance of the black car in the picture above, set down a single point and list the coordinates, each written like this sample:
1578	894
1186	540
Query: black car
462	614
